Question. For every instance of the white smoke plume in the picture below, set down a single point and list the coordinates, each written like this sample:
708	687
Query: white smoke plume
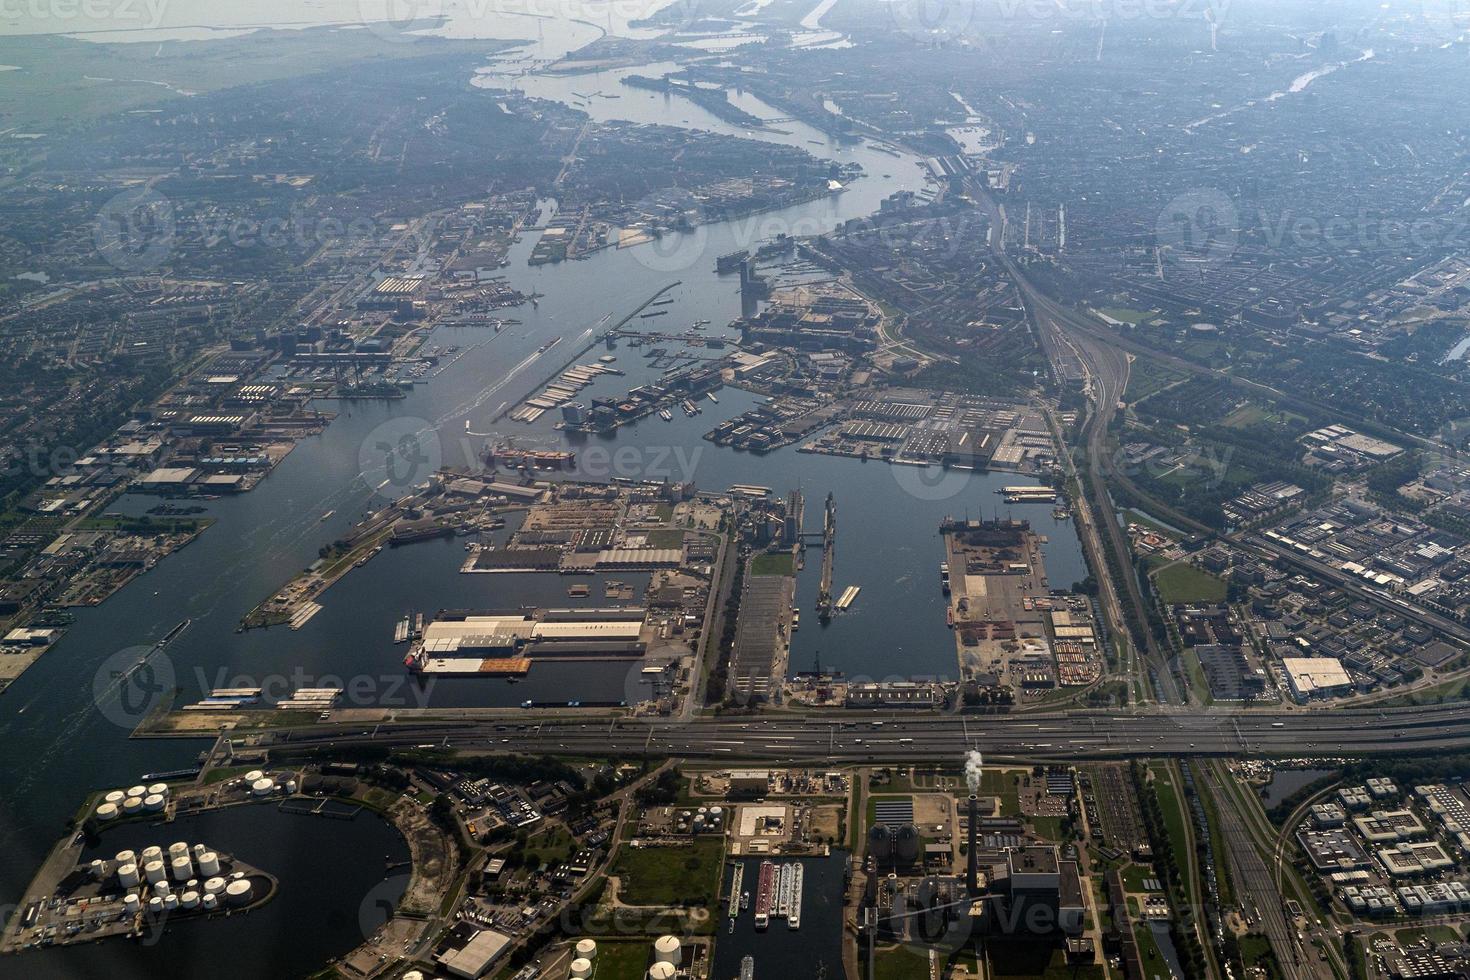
974	763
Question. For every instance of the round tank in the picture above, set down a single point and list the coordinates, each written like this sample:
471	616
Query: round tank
170	902
661	971
132	806
261	787
181	869
209	864
160	888
209	902
178	849
116	797
189	900
237	892
587	949
152	854
666	949
154	871
107	811
290	785
126	857
214	886
880	843
412	975
155	904
153	802
581	969
138	791
127	875
716	811
98	868
131	903
158	789
253	775
198	849
907	846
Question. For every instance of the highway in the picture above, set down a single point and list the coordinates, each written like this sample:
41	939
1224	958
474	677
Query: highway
862	737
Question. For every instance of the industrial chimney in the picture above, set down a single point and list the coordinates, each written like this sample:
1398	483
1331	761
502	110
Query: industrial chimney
972	873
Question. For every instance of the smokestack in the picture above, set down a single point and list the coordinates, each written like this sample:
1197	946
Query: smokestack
972	869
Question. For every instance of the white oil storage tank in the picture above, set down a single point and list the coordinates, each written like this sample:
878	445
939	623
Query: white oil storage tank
209	864
152	854
189	900
107	811
154	872
581	969
132	903
158	789
662	971
153	802
132	806
587	949
237	892
178	849
262	786
666	949
209	902
155	904
127	875
181	869
137	792
253	775
116	797
170	902
97	869
126	857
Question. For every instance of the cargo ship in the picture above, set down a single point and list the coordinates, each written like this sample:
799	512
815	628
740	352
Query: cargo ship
798	875
765	894
747	968
783	891
730	261
737	879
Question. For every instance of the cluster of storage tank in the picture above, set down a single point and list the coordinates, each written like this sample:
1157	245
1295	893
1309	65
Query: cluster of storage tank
894	845
171	879
707	819
584	956
667	952
133	801
260	784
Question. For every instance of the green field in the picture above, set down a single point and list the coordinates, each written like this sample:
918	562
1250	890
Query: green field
777	564
1182	582
671	875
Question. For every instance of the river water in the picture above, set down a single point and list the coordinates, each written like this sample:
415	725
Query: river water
59	738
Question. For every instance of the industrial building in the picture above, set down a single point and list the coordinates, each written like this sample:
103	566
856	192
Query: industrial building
508	643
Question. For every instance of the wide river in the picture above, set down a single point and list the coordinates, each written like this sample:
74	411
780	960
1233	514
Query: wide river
59	738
